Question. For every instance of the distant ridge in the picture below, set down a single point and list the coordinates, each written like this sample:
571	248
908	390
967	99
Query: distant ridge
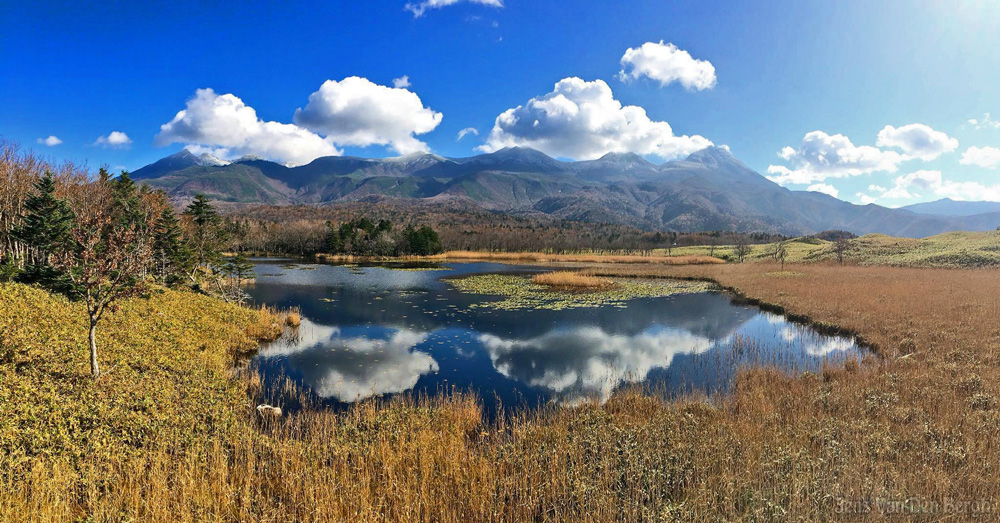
709	190
949	207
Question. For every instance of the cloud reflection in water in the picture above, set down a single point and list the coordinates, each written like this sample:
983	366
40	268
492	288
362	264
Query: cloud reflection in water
351	368
587	362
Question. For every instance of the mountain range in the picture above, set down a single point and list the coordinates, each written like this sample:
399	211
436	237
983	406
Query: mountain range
708	190
949	207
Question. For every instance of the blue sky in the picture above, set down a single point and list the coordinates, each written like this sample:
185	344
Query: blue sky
801	91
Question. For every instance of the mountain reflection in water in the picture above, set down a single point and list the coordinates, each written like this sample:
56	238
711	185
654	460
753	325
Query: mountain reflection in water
370	331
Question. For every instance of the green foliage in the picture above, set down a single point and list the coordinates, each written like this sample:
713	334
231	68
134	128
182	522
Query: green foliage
422	242
361	236
202	212
9	270
332	241
45	227
207	233
129	209
238	267
832	236
172	256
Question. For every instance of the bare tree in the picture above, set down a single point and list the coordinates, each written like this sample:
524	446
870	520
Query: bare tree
781	253
107	258
742	247
772	250
840	248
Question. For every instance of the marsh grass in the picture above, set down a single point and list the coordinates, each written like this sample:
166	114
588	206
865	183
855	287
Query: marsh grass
538	257
571	280
267	324
532	257
167	436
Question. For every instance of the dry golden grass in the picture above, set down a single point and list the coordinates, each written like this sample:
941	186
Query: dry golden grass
532	257
921	423
538	257
294	319
571	279
268	324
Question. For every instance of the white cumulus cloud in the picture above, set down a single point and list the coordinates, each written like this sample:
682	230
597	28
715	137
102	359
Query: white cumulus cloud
418	8
905	187
821	156
227	127
917	141
924	183
51	141
114	140
467	131
667	64
988	157
356	111
824	188
583	120
402	82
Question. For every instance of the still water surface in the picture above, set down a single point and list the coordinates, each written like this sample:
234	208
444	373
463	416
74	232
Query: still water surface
377	330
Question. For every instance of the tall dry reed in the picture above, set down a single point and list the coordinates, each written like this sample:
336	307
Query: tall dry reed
917	427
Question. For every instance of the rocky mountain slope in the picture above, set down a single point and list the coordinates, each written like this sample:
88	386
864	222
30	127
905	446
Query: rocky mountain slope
709	190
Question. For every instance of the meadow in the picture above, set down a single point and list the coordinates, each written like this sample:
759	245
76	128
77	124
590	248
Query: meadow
170	433
949	250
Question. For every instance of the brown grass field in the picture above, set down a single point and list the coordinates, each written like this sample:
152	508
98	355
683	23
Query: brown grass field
536	257
571	280
918	426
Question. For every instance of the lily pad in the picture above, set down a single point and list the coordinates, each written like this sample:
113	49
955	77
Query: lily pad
518	292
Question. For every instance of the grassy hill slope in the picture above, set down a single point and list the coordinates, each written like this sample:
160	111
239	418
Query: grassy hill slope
951	249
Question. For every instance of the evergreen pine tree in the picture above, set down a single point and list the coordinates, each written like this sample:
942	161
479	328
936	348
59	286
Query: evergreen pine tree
238	267
202	212
207	234
44	229
128	206
171	256
334	243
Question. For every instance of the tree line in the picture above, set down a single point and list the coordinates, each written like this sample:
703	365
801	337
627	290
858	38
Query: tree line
302	229
364	237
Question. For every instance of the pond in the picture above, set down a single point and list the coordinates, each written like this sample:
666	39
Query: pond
379	330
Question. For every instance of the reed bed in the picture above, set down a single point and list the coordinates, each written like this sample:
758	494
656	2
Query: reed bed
538	257
914	432
528	257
